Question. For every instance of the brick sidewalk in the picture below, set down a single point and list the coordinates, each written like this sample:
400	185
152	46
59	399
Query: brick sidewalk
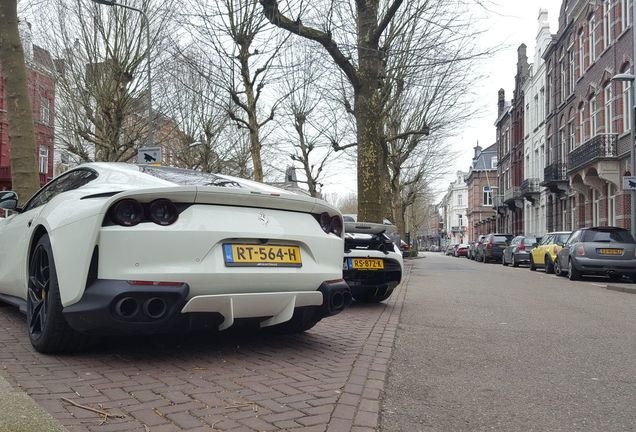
329	379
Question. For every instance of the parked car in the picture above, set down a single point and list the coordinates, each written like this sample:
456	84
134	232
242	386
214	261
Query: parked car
518	252
114	248
372	262
473	250
608	251
461	250
492	247
450	249
544	254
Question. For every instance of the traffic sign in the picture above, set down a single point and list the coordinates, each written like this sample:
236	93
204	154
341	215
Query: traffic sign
149	156
629	183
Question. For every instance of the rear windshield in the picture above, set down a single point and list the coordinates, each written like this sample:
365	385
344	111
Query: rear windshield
186	177
529	241
502	238
608	236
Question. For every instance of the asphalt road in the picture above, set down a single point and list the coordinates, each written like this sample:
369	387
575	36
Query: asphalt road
486	347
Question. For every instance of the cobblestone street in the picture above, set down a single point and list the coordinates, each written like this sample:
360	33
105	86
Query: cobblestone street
329	379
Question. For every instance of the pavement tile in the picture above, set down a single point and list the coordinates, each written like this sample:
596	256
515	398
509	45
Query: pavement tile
330	378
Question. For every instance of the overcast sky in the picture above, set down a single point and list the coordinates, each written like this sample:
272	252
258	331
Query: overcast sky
512	23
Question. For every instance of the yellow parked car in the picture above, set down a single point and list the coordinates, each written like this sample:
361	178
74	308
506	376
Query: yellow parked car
544	255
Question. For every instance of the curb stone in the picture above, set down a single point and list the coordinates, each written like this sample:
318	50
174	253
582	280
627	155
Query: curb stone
628	290
20	413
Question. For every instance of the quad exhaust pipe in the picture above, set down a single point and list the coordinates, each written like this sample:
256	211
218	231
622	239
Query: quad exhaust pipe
336	296
153	308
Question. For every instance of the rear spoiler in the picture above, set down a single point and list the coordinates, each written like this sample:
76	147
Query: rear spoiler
390	231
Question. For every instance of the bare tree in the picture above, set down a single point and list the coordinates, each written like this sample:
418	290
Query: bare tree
24	172
242	57
383	45
102	86
309	114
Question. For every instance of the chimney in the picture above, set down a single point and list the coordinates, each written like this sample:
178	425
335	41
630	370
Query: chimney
477	150
27	38
543	19
522	63
502	100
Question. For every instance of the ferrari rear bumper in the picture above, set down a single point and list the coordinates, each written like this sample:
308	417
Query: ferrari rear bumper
117	307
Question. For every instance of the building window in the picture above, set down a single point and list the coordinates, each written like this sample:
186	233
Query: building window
581	124
609	112
460	220
460	198
493	162
627	105
487	201
607	23
572	135
44	159
45	111
563	79
591	30
593	117
626	10
596	208
581	53
611	205
571	73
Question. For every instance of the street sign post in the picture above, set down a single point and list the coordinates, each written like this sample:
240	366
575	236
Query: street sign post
149	156
629	183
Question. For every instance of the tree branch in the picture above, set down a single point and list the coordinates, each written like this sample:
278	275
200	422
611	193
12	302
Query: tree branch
273	14
407	134
390	13
338	147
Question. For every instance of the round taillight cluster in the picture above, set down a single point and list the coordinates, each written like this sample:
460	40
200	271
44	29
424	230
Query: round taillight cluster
331	224
129	212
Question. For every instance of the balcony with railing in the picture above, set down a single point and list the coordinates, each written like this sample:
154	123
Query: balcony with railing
602	146
512	194
531	186
554	173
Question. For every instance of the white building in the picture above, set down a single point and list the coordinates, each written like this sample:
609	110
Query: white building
534	140
455	206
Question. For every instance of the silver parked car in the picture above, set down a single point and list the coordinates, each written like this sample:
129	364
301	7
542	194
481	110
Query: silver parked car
606	251
518	251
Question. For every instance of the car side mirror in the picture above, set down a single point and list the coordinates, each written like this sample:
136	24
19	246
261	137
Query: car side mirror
8	200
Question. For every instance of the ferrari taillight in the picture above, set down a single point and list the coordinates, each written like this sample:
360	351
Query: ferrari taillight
127	212
331	224
336	225
325	222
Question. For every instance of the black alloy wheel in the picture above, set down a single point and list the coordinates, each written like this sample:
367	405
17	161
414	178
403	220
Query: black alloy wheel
573	273
48	330
557	267
38	292
514	261
532	266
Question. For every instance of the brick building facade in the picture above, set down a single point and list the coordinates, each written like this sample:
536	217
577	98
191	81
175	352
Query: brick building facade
587	123
42	94
481	182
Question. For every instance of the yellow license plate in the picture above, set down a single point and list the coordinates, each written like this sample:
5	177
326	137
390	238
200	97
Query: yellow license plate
248	255
367	264
610	251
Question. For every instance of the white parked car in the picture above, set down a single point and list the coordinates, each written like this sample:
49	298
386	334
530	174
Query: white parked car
110	248
373	263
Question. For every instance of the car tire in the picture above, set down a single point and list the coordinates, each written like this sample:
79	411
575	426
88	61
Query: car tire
616	277
549	265
573	273
557	268
532	266
303	319
514	263
503	260
372	297
48	330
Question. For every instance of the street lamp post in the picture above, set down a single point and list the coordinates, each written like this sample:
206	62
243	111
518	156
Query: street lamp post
145	17
631	79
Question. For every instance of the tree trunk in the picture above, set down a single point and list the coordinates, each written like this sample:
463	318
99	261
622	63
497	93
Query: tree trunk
368	109
24	170
252	119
